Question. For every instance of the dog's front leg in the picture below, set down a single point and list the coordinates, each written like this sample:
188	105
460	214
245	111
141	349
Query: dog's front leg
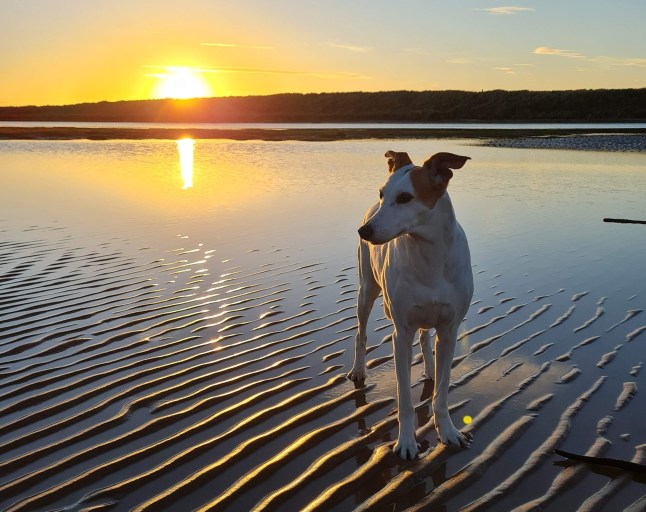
444	351
368	292
406	446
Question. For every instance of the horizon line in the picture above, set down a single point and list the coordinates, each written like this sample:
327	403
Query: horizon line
313	93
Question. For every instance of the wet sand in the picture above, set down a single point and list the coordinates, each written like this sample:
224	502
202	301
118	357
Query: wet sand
149	378
616	142
96	379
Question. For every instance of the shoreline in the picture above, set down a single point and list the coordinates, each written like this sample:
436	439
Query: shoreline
297	134
626	140
609	142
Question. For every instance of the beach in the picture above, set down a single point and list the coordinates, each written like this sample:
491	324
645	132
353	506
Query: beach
617	142
178	320
620	138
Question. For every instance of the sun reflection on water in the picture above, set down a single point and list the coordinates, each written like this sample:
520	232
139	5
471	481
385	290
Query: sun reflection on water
185	148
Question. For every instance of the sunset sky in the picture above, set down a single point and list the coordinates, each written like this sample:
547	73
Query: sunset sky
72	51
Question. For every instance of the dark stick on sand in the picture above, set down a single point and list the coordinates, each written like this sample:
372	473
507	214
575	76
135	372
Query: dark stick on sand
625	221
604	461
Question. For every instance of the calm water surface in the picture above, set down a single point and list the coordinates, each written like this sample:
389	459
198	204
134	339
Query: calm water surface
536	204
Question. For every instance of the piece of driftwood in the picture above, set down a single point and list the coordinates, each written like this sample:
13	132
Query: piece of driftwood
624	221
604	461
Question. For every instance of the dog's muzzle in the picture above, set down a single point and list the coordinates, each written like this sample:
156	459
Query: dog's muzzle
366	232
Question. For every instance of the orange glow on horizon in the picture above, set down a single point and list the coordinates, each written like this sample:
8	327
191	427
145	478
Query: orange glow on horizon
181	83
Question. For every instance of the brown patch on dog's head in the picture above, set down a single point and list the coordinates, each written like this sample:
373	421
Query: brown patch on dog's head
431	180
397	159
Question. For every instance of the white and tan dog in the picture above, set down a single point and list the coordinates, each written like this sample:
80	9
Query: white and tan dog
415	252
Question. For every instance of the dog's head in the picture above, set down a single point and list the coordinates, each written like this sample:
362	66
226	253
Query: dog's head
408	198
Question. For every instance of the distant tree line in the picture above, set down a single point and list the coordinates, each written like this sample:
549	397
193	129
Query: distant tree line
392	106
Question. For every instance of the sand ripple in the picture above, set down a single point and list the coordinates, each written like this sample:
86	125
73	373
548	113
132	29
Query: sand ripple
144	380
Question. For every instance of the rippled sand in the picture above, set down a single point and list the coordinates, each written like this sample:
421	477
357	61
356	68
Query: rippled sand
151	378
620	142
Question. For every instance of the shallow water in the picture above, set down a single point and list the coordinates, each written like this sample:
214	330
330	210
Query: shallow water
160	323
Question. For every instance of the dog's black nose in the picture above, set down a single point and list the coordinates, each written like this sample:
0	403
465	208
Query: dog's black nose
365	231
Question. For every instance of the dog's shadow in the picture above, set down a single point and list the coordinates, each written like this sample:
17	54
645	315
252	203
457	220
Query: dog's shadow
424	411
360	400
424	414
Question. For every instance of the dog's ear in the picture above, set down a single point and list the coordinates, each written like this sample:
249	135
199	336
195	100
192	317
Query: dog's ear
440	165
431	180
397	159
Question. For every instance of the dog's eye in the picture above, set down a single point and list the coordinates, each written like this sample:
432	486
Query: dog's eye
404	197
381	194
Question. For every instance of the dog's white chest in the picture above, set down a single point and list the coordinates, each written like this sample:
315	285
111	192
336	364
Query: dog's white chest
420	307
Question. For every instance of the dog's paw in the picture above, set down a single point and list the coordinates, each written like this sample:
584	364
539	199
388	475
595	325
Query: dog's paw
407	448
448	434
357	374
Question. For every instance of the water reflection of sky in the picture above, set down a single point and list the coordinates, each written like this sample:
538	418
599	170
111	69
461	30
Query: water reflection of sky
544	208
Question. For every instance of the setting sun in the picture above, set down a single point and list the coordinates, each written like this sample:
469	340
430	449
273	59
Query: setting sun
181	83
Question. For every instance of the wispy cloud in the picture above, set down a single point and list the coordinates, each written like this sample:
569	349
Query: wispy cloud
514	69
236	45
569	54
604	60
261	71
622	61
641	63
459	60
506	10
349	47
165	71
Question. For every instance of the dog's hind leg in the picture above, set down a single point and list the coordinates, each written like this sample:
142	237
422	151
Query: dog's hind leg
368	292
427	352
406	446
444	351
